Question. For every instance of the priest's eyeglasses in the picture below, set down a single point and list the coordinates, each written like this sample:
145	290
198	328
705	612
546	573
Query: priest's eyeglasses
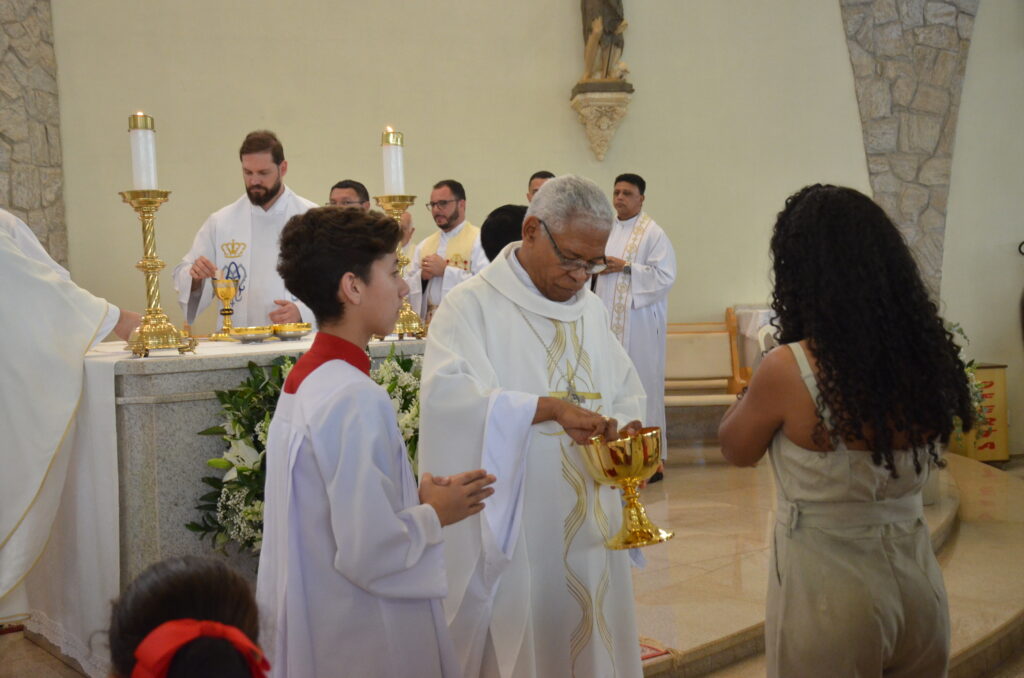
439	204
588	267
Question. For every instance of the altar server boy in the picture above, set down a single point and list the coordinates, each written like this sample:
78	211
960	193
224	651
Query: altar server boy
351	573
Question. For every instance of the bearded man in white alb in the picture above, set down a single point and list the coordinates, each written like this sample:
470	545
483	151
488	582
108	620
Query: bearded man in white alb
520	365
635	286
240	241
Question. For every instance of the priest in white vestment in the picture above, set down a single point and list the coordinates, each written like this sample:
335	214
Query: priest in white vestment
53	323
351	572
239	242
519	364
635	287
446	257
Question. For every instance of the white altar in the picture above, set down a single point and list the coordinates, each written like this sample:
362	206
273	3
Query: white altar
134	480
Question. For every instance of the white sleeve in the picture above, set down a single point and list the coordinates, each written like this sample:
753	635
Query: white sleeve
193	302
30	246
655	272
107	326
387	550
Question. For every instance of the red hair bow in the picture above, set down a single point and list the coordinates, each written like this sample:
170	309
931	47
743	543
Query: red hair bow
156	651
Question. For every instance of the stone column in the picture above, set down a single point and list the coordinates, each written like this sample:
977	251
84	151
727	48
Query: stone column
31	177
908	59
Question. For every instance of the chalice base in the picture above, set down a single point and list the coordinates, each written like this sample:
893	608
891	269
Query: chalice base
222	336
157	332
637	529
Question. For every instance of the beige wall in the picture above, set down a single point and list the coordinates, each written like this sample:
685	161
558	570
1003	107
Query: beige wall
738	104
982	273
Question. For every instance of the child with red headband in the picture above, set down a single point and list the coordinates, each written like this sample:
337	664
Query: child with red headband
351	573
187	617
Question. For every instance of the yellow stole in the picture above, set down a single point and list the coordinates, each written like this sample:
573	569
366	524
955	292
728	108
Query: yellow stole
460	248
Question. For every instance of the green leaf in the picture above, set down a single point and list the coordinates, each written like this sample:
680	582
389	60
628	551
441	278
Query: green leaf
214	431
220	463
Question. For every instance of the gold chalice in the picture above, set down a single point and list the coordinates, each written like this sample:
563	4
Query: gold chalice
225	290
627	462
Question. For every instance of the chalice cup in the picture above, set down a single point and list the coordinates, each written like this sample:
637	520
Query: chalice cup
225	290
627	462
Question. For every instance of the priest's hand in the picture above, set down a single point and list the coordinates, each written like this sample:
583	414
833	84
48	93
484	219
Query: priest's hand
286	312
615	265
630	429
405	221
201	269
126	322
433	266
458	496
581	424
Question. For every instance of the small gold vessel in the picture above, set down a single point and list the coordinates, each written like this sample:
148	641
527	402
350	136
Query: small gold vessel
252	335
627	462
292	331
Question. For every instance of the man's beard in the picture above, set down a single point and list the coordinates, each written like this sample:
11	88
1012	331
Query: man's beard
260	196
449	221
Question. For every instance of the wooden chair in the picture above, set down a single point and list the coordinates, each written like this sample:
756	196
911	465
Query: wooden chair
702	363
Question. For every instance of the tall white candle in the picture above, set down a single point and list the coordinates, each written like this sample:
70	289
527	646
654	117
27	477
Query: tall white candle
391	143
142	134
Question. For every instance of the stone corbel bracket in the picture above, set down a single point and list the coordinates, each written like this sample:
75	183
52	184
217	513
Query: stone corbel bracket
601	106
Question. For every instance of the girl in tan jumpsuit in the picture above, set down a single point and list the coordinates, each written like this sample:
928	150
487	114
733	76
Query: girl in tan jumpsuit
850	409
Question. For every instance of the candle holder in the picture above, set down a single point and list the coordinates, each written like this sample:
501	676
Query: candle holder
156	330
408	320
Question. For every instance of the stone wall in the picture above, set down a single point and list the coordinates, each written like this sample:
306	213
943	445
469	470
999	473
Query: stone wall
908	59
31	178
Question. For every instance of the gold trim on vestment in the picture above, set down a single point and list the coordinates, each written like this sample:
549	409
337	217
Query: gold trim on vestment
573	522
625	282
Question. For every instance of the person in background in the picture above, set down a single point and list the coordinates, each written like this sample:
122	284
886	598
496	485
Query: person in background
537	180
502	226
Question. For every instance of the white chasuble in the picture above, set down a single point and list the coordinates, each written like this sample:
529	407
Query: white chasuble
533	592
53	323
461	249
351	573
637	304
242	241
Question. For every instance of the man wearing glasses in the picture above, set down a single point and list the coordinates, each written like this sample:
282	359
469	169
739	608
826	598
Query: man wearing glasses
634	287
447	257
352	193
520	364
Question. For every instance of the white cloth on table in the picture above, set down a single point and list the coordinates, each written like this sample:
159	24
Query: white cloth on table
645	313
351	571
436	288
532	589
242	241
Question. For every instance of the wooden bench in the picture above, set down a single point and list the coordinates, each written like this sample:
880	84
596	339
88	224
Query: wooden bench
702	363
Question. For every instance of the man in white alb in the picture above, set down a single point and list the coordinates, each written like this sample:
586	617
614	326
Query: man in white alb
53	323
240	241
635	286
520	365
445	258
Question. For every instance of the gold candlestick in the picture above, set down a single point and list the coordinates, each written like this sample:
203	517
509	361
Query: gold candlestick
225	290
408	320
156	330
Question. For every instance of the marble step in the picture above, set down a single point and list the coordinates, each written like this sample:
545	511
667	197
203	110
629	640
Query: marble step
980	563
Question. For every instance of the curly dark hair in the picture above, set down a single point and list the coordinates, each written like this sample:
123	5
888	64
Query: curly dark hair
323	244
185	587
846	282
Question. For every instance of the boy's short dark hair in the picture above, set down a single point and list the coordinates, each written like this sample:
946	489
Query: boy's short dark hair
325	243
502	226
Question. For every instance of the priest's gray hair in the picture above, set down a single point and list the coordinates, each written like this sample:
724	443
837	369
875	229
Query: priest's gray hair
572	198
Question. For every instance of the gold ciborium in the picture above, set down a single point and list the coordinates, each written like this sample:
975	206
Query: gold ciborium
225	290
627	462
408	319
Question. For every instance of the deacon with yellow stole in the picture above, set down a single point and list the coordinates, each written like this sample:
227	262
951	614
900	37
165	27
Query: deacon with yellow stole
448	257
240	241
520	363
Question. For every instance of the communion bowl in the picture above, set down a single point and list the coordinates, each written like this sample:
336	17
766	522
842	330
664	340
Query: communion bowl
292	331
252	335
627	462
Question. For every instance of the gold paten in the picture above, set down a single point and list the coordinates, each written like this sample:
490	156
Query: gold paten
627	462
408	320
252	335
291	331
155	331
224	290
